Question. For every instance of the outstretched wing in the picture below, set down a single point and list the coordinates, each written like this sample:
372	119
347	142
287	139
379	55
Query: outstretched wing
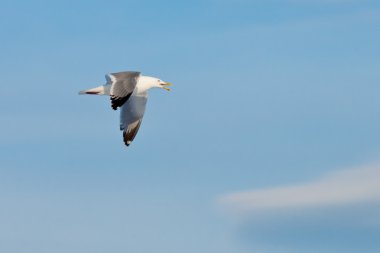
131	115
122	86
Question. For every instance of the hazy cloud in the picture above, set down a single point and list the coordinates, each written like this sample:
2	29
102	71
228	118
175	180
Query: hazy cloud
325	1
345	187
297	1
338	212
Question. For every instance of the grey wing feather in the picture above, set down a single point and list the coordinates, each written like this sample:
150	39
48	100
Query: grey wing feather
108	78
131	115
122	86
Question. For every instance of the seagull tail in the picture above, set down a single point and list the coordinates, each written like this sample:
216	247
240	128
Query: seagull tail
100	90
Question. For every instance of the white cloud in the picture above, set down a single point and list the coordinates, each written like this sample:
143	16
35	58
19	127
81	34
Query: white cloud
326	1
296	1
342	188
336	213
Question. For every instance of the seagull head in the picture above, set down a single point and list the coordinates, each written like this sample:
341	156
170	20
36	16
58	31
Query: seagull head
146	82
163	85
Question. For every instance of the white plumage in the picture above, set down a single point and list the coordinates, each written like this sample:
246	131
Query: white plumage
129	91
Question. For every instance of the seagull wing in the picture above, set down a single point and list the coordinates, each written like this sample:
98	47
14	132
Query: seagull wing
131	115
122	86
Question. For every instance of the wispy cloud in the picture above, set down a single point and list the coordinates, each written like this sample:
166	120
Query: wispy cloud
298	1
338	212
325	1
344	187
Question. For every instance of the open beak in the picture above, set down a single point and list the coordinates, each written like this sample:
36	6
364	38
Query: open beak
165	86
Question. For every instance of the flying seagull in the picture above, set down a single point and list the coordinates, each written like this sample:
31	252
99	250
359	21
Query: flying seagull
129	91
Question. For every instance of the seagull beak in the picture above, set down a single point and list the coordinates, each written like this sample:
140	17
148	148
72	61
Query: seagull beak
164	86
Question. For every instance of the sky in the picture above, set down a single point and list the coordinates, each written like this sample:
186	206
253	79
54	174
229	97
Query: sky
268	142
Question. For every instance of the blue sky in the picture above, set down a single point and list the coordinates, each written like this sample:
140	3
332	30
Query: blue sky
268	143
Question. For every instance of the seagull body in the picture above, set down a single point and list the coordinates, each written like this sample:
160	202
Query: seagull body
129	91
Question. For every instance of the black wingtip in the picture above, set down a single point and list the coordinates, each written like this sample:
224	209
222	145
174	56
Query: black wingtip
129	134
126	138
118	101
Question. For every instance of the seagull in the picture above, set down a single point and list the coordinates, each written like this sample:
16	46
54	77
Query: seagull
129	91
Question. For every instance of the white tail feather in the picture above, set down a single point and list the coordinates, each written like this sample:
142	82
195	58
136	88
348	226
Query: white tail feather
100	90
